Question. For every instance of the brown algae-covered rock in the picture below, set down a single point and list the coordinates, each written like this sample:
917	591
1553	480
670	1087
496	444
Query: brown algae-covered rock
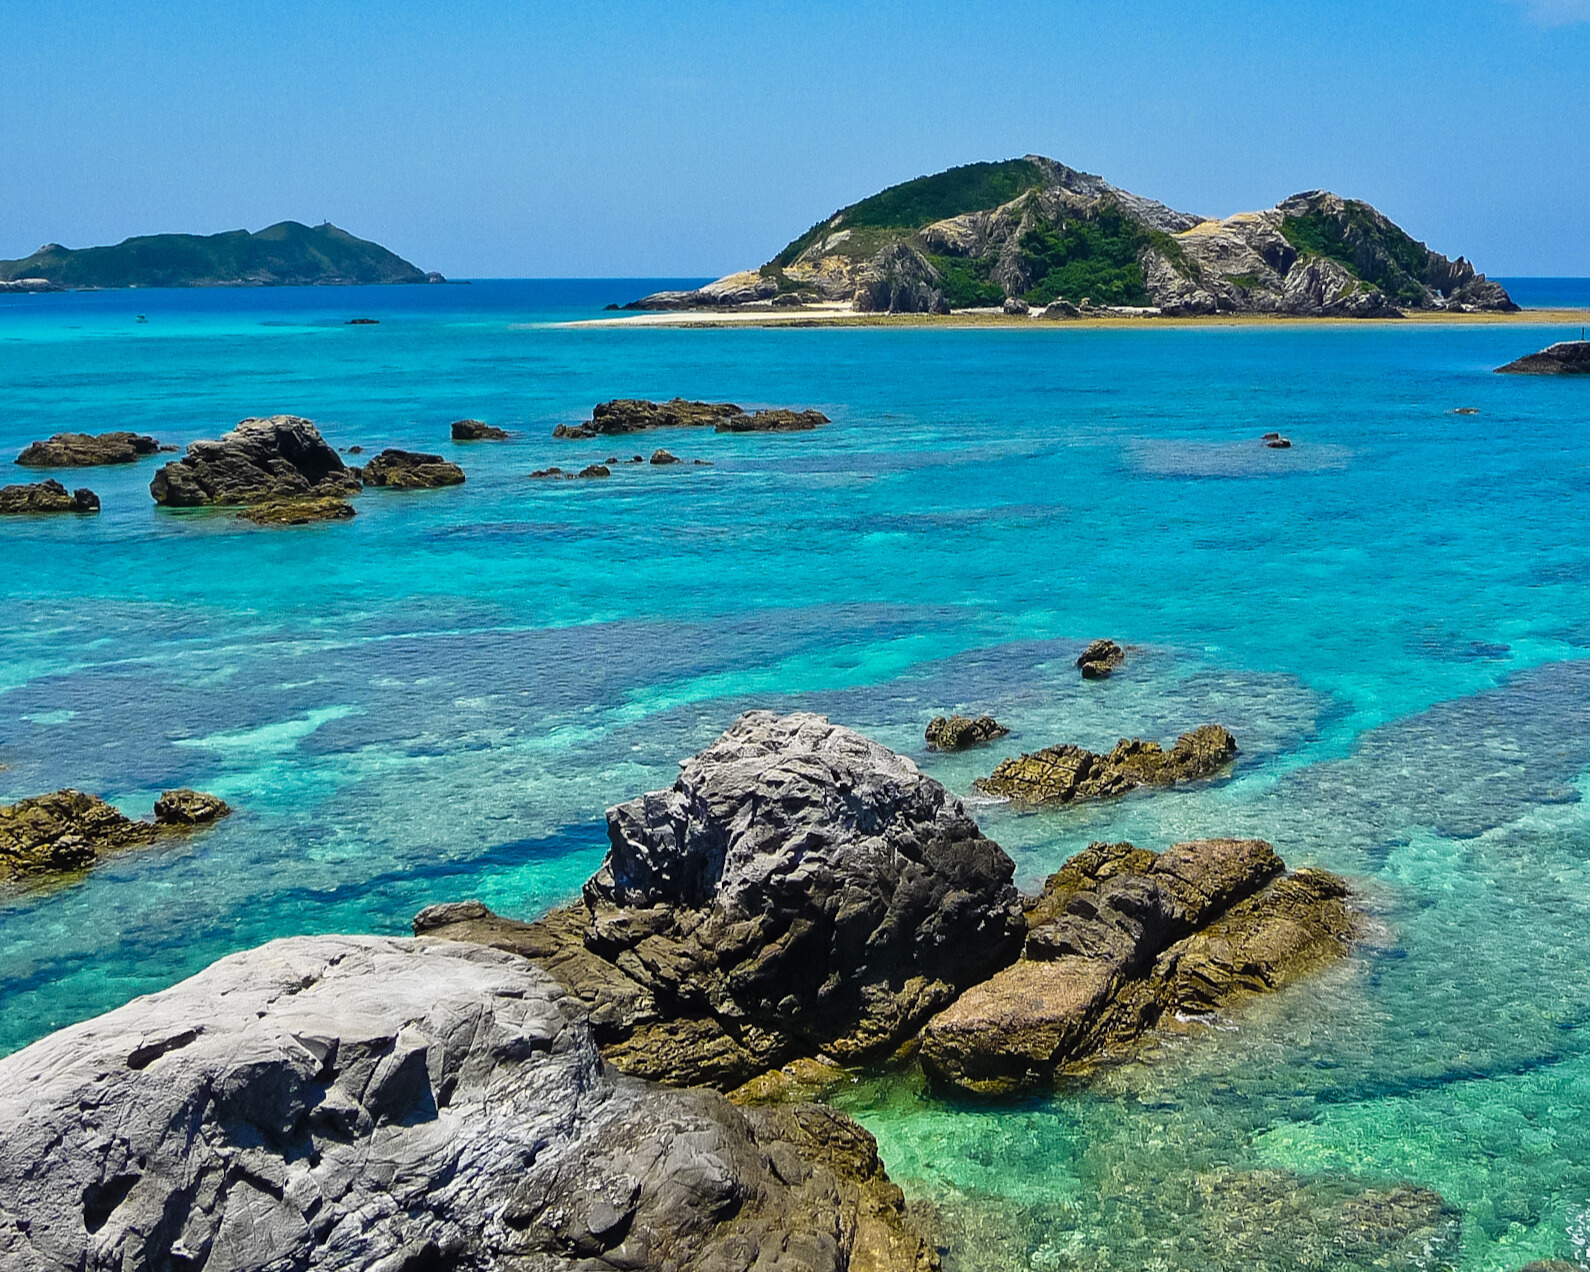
637	415
958	733
411	470
1099	659
1066	773
86	450
68	831
45	496
477	431
297	512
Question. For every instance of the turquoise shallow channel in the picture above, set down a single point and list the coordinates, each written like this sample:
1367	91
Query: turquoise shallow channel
439	699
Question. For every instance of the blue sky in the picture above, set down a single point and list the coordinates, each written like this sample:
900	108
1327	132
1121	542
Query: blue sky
608	138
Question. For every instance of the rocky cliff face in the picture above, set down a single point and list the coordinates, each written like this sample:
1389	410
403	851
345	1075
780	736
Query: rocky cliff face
1037	231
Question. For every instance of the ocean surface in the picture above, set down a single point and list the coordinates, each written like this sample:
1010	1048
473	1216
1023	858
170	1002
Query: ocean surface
439	699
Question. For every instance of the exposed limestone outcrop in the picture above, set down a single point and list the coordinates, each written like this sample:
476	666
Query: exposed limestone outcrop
397	1105
68	831
1068	773
637	415
1120	937
273	458
85	450
46	496
1567	357
477	431
800	889
1099	659
959	733
411	470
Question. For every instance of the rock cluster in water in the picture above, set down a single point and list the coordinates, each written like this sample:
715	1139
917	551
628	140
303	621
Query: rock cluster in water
68	831
1066	773
369	1103
1121	936
46	496
476	431
959	733
85	450
274	458
1099	659
634	415
410	470
1567	357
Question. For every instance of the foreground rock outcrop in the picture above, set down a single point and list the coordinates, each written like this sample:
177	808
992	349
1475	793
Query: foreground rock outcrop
46	496
636	415
959	733
477	431
1567	357
1119	938
369	1103
411	470
85	450
69	831
800	889
1066	773
273	458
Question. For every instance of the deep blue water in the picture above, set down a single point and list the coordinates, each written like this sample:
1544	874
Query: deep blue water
438	699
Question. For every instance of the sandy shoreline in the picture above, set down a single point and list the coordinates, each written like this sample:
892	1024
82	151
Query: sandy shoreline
844	317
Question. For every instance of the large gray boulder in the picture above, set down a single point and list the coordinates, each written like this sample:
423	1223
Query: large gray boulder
278	457
1566	357
396	1105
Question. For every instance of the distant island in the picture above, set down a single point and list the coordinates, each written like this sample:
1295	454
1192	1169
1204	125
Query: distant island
1031	233
284	255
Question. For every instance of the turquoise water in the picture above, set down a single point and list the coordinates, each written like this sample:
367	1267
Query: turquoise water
439	699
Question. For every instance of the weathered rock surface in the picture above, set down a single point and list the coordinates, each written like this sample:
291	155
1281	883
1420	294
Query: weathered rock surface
69	831
85	450
477	431
273	458
1119	937
368	1103
1099	659
637	415
661	456
46	496
801	889
958	733
297	512
411	470
1567	357
1068	773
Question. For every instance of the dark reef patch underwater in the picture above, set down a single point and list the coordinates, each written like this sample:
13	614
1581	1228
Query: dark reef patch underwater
437	699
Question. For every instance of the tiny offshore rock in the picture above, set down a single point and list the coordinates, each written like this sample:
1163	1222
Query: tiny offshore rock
959	733
477	431
661	456
344	1103
411	470
1065	774
68	831
595	470
272	458
1122	938
86	450
46	496
637	415
297	512
1279	443
800	891
1099	659
1567	357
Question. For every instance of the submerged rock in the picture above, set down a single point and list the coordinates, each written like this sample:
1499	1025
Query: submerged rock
958	733
1119	937
1567	357
46	496
1068	773
362	1102
801	889
85	450
297	512
69	831
274	458
411	470
637	415
477	431
1099	659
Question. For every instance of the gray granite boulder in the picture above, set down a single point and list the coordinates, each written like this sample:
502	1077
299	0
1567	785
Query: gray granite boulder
278	457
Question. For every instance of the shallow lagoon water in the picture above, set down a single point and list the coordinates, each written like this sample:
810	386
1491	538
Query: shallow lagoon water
439	699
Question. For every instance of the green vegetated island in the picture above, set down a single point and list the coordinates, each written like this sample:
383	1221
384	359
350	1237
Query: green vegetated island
283	255
1030	234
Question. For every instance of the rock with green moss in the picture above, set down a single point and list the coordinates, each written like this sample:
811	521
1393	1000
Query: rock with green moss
69	831
1066	774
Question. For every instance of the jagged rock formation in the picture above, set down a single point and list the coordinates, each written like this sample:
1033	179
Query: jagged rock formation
800	889
85	450
1567	357
959	733
1038	234
68	831
297	512
1119	937
637	415
397	1105
46	496
1067	773
1099	659
476	431
264	459
410	470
